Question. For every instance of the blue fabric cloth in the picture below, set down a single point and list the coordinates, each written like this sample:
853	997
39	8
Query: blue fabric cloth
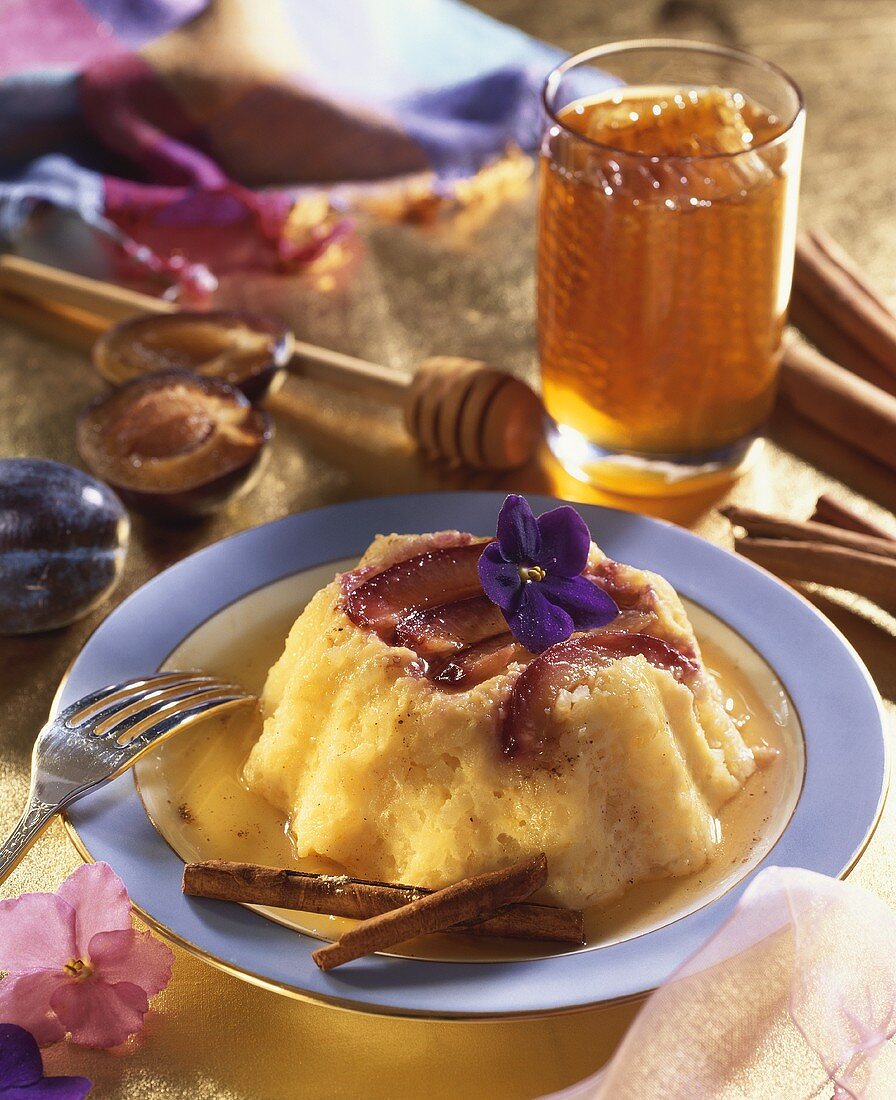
460	83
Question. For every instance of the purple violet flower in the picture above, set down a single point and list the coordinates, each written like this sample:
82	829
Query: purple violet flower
22	1071
533	573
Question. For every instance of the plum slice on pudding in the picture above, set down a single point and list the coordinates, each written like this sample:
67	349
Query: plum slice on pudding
526	728
471	660
433	603
445	628
475	663
433	578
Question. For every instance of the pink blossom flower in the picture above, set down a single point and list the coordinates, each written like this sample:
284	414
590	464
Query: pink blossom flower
75	965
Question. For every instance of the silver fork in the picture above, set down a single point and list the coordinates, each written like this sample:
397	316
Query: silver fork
104	734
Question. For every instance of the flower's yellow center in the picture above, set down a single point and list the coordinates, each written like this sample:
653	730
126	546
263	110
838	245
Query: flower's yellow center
79	969
532	573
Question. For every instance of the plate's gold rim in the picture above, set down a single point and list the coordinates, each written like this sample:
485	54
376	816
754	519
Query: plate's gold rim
350	1006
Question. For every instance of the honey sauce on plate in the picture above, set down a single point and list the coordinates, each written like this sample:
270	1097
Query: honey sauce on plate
194	794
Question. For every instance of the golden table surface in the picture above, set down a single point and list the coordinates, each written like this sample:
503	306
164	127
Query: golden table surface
462	287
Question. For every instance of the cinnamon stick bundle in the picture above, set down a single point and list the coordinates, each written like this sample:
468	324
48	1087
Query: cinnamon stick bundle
840	290
834	513
774	527
838	566
469	900
847	406
360	899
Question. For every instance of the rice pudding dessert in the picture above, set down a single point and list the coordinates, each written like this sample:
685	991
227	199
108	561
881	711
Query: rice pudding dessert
410	735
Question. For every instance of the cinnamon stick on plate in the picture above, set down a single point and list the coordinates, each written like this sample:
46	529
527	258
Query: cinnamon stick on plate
341	896
471	899
841	291
833	512
847	406
774	527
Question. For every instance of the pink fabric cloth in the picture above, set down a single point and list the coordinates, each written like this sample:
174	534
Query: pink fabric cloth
69	34
793	998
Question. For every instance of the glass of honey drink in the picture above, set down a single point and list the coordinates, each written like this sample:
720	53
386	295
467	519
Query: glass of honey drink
667	215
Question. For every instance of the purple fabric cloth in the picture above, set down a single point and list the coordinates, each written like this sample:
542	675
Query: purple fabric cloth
134	22
359	90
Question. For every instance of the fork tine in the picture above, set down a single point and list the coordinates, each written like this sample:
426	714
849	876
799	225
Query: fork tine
73	712
107	701
88	704
115	720
159	706
169	723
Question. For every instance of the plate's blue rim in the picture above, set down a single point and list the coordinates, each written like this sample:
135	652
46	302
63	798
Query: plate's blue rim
839	708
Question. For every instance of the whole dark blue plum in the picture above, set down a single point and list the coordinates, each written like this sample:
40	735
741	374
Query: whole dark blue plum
63	538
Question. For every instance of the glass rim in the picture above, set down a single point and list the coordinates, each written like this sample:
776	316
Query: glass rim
633	45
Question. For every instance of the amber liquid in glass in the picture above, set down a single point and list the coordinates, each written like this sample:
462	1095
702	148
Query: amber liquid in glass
664	265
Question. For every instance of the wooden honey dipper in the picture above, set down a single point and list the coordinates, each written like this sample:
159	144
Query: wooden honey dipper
458	410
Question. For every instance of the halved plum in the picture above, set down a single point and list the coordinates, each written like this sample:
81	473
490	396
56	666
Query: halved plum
426	580
525	729
174	445
242	349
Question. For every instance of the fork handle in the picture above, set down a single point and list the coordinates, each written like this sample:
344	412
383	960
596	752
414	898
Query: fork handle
31	824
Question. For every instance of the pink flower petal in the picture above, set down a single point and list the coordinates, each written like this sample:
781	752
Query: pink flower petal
99	899
98	1014
130	956
25	1000
37	931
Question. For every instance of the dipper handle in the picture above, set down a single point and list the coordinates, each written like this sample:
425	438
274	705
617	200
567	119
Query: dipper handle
369	379
458	410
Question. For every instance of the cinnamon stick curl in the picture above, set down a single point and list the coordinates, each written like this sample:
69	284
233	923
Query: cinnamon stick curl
835	513
843	404
837	566
775	527
840	290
